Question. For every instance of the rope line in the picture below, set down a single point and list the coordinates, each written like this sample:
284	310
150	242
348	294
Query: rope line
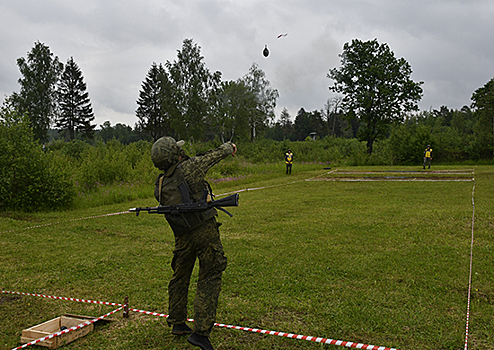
271	186
309	338
151	313
255	330
314	178
391	179
59	222
62	298
283	334
471	268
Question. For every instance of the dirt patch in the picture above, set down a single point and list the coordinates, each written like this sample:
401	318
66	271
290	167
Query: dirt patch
388	175
9	299
391	178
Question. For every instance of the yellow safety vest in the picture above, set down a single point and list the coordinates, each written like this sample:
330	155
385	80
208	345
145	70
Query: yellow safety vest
428	153
289	158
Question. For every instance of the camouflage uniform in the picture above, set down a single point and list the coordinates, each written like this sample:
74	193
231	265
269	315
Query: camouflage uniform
202	242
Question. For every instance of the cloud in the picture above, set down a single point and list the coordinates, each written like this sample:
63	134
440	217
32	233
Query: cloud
447	42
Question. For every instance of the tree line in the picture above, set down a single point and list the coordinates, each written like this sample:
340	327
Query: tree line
182	98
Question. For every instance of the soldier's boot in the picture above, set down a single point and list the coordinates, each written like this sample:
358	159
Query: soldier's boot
181	329
200	341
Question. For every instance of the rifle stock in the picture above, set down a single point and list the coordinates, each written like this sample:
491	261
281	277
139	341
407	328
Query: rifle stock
230	201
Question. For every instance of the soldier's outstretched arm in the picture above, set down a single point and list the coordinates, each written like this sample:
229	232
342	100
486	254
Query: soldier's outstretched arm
214	156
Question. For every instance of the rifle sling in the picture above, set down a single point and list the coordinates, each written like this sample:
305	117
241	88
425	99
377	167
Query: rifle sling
160	184
223	210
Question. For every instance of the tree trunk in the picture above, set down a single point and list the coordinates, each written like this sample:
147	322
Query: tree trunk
369	146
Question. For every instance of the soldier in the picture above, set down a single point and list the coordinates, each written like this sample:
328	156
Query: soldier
196	236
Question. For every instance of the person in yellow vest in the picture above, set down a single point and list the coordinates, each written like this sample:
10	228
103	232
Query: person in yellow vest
289	161
428	156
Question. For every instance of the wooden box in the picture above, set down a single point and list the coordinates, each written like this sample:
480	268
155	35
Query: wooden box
54	326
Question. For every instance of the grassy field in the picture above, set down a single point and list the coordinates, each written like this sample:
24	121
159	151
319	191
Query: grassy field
374	262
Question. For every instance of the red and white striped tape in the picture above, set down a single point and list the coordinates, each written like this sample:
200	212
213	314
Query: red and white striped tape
255	330
471	268
309	338
62	298
347	344
151	313
82	325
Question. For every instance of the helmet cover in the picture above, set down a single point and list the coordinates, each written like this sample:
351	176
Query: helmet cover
165	152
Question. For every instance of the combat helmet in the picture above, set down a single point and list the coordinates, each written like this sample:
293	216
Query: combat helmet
165	152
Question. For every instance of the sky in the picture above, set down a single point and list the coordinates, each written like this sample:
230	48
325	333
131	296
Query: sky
448	43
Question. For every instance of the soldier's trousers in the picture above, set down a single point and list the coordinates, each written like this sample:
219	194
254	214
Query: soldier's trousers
204	244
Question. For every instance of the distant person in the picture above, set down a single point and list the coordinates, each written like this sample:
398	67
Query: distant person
289	161
428	156
196	236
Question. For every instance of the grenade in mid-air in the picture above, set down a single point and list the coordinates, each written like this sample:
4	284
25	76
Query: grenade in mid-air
265	52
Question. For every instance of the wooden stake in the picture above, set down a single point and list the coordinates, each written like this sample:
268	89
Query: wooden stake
126	308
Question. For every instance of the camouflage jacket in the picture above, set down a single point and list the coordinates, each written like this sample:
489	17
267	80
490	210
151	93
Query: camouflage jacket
195	168
194	171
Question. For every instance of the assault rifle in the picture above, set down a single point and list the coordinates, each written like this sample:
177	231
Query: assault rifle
190	207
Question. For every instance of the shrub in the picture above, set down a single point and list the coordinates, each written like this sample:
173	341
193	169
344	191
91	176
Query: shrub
31	179
74	149
104	164
137	151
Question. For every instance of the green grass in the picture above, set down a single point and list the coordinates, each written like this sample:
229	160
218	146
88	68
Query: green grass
382	262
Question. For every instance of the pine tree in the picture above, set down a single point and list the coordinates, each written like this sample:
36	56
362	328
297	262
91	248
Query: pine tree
152	117
76	113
